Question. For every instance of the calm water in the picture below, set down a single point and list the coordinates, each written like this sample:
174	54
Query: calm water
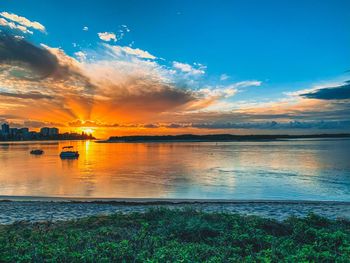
298	169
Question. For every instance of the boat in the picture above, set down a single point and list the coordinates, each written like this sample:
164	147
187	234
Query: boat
69	154
37	152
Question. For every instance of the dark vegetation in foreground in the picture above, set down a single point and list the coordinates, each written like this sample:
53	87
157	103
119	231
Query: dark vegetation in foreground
217	137
177	236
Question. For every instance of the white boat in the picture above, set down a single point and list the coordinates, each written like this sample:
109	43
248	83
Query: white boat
69	154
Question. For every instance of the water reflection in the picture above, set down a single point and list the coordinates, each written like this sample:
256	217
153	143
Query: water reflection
241	170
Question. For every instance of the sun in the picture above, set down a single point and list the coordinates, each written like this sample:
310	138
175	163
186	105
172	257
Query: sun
87	130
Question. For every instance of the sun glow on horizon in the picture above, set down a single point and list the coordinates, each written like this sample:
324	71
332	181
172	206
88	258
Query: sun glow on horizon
87	130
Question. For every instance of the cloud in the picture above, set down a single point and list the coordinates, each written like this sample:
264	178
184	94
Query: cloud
11	25
123	29
80	55
22	61
135	98
274	125
231	89
212	96
23	21
176	125
268	125
126	28
21	55
107	36
31	72
85	28
91	124
40	124
341	92
150	126
30	95
187	68
221	126
128	88
219	91
121	51
224	77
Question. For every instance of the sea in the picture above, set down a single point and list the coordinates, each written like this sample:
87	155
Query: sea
296	169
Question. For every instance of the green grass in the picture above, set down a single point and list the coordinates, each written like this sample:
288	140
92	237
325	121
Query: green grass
177	236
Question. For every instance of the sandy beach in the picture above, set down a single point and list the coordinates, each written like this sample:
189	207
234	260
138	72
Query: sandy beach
56	209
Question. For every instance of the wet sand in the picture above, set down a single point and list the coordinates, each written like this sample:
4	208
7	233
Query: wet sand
56	209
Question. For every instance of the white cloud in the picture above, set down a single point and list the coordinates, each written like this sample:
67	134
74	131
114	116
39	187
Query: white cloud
229	90
85	28
19	37
107	36
219	92
123	29
12	25
187	68
126	28
23	21
247	83
119	50
213	97
80	55
224	77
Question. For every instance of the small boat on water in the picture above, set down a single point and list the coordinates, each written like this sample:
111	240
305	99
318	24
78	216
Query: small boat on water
37	152
69	154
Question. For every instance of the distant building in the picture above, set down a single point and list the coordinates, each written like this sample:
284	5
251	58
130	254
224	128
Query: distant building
13	132
45	131
23	130
53	131
33	135
5	129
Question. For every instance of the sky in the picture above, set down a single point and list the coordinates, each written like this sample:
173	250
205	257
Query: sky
172	67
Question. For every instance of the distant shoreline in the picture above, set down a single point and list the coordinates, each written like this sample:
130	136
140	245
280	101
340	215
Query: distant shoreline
49	139
191	138
215	138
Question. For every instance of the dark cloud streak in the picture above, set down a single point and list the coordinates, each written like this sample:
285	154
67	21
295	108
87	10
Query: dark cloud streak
331	93
30	95
19	52
273	125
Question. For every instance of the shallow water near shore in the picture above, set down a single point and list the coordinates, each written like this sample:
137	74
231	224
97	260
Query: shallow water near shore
274	170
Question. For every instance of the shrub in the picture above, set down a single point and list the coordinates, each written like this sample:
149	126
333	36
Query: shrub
162	235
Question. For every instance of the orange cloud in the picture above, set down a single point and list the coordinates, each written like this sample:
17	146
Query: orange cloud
124	90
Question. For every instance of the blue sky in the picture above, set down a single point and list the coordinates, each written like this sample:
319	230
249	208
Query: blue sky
283	41
287	46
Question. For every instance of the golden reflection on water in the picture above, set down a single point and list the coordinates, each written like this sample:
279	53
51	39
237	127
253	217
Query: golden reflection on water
247	170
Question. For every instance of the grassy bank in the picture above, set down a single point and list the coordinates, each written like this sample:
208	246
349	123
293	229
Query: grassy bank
177	236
